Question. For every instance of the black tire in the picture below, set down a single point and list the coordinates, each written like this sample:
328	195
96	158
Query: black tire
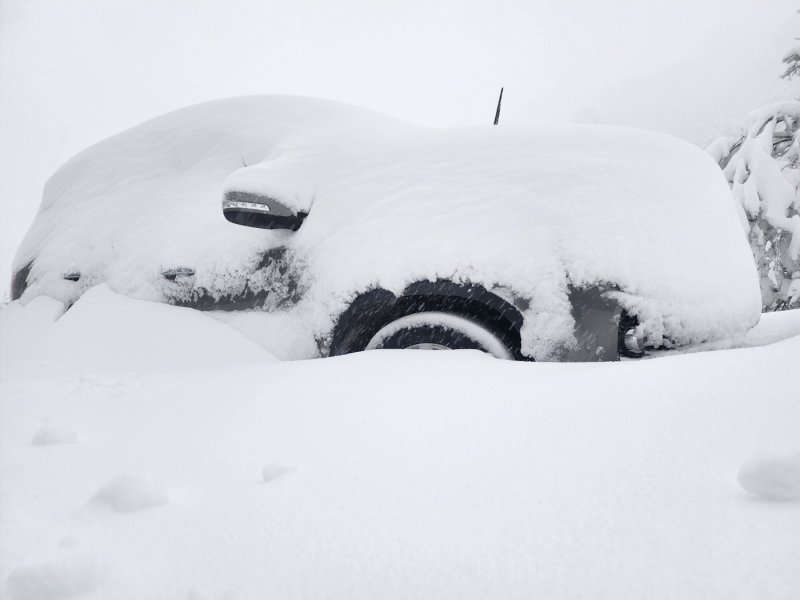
438	331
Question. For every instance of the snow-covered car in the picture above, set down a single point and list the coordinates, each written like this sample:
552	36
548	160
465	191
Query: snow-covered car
563	243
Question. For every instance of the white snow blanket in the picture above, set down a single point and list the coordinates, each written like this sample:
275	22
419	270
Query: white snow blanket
386	474
531	211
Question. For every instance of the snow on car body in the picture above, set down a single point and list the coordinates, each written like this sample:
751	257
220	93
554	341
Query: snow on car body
545	238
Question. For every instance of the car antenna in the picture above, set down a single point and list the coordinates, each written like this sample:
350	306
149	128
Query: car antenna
499	102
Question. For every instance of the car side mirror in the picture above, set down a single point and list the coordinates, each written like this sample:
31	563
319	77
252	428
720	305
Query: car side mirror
263	212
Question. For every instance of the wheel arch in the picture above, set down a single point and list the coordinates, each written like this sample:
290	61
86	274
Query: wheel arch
375	308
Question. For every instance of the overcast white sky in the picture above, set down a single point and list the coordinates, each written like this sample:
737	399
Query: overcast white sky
75	71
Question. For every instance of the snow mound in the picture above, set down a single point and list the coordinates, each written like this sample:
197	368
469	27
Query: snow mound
772	478
533	211
774	327
51	436
272	472
56	580
106	331
131	492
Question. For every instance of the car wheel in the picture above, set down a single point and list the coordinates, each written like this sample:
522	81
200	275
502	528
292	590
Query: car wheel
630	337
438	331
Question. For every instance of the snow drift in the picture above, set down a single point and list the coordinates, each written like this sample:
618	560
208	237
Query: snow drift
105	331
531	211
394	475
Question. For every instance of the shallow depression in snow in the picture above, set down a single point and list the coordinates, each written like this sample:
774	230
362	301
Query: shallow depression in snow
51	436
130	492
772	477
57	580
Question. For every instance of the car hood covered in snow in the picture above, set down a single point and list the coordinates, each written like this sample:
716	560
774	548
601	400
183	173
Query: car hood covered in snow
531	211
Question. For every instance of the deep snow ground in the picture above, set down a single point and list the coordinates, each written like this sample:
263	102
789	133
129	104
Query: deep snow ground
166	456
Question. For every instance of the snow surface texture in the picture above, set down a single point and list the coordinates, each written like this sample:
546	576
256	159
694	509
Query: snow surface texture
392	474
763	168
390	203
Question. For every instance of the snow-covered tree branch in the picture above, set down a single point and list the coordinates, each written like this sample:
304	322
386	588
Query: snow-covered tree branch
792	61
763	168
